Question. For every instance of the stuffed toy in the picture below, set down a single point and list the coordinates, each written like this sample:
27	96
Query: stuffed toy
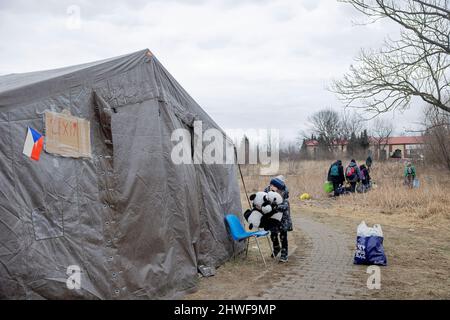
272	218
275	199
261	205
261	202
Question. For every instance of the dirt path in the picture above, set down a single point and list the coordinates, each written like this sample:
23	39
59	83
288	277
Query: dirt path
321	263
320	267
325	271
418	257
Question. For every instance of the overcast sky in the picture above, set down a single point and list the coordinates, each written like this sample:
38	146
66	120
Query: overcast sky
248	63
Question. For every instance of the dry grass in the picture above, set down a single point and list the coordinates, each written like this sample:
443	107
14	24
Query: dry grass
418	258
415	224
429	204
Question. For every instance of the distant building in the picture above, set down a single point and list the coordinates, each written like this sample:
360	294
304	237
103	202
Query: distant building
398	147
394	147
312	147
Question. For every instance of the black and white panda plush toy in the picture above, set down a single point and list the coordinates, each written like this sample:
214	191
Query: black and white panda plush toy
272	218
261	205
275	199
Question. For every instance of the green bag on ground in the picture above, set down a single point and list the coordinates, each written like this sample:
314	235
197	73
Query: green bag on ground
328	187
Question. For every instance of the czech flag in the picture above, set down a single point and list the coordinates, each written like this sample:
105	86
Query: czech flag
33	144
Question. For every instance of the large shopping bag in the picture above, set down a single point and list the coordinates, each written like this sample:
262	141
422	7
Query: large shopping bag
369	246
328	187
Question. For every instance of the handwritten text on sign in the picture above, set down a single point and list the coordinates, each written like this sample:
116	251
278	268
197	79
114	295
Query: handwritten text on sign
67	135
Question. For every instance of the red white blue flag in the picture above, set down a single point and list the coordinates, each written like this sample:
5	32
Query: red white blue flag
33	144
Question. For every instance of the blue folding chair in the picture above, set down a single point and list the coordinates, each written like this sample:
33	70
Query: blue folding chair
238	233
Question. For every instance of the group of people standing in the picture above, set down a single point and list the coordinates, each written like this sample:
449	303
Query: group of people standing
338	176
351	174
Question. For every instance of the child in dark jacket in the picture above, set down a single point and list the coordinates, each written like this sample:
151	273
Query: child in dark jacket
280	231
353	175
336	176
365	175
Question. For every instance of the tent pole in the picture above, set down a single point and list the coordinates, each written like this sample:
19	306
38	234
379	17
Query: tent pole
242	178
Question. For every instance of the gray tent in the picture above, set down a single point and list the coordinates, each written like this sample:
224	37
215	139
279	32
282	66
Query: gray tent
137	225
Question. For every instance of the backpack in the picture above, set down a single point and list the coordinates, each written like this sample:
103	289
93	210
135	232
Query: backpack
410	171
334	170
363	175
350	173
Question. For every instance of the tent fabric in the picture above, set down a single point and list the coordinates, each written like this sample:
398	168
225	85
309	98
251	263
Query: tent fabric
136	224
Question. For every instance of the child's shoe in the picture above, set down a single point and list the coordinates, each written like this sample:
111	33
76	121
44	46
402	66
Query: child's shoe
284	256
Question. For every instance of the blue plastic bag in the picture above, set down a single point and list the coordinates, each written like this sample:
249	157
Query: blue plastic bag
369	246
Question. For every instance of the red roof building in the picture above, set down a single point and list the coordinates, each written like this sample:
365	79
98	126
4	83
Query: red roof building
401	147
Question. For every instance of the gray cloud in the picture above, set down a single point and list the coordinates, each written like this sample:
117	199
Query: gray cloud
264	62
310	4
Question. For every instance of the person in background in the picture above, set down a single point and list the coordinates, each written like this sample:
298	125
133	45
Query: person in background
369	161
353	175
279	233
336	176
365	177
410	174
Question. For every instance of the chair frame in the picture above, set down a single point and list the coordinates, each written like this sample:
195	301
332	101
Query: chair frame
254	236
259	248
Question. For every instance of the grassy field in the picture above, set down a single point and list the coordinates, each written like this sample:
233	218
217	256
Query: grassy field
416	226
416	223
390	201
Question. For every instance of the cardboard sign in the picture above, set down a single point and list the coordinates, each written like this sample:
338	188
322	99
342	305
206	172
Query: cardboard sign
67	136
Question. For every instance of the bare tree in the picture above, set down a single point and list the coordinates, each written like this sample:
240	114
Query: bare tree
437	136
351	124
302	140
289	150
326	125
290	154
381	132
415	65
